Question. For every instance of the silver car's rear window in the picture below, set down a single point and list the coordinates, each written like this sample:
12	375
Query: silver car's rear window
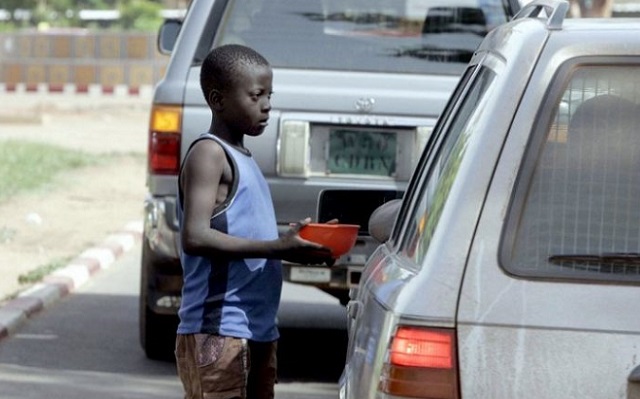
404	36
580	217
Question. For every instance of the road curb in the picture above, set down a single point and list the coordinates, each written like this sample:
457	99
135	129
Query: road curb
91	90
64	281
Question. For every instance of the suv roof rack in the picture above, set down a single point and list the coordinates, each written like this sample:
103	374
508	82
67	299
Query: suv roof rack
556	10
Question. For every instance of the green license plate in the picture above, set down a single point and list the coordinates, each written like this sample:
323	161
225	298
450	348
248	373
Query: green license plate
362	152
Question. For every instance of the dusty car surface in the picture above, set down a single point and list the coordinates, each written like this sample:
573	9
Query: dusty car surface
358	86
513	266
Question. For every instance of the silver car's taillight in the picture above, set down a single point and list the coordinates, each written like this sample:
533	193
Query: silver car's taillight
421	362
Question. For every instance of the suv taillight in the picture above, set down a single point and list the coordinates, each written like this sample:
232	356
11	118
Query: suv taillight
164	139
421	363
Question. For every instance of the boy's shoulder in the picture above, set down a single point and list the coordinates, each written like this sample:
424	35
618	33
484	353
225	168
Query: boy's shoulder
209	138
208	145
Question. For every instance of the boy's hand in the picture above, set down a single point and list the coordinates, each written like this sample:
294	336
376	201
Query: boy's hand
303	251
311	256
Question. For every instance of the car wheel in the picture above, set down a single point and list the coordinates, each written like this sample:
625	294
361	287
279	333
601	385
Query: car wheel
158	334
157	331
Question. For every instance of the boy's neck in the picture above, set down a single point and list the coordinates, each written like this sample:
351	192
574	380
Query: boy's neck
230	139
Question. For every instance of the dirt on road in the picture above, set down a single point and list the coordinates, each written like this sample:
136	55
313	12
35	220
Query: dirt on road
83	206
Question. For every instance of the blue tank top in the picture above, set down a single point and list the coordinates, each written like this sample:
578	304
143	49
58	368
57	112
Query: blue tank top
237	298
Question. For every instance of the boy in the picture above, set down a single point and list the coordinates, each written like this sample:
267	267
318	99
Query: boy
226	342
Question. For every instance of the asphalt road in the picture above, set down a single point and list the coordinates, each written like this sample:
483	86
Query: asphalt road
86	345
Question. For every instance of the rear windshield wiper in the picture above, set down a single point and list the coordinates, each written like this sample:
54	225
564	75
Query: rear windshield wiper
627	258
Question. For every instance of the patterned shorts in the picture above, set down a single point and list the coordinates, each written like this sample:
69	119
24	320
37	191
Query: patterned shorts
215	367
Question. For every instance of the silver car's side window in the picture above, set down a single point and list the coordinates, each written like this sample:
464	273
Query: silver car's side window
424	216
580	217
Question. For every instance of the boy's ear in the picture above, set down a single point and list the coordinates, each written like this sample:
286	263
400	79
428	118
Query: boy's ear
215	99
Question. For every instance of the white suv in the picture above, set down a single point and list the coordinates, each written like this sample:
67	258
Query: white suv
513	266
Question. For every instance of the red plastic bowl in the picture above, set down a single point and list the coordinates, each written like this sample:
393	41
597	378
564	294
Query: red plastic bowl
340	238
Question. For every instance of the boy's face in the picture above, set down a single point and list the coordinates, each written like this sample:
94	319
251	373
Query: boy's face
246	105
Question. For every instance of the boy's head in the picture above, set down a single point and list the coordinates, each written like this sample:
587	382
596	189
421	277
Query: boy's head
223	66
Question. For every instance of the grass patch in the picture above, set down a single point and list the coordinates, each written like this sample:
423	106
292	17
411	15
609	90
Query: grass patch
27	166
35	276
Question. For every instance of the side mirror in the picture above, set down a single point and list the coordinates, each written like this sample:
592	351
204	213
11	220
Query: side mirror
168	35
382	220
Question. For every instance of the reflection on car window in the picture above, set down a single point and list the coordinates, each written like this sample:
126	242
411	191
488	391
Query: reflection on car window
413	36
581	215
444	168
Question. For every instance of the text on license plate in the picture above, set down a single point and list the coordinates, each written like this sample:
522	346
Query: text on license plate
310	274
365	152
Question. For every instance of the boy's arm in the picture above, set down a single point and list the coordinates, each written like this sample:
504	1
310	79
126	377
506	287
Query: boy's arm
200	181
201	177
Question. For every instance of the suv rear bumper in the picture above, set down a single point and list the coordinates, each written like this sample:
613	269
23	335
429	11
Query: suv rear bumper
161	272
161	227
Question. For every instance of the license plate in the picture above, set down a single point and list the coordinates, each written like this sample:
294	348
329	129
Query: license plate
362	152
310	274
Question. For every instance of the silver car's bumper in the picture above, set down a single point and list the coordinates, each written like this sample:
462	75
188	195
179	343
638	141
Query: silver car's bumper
161	227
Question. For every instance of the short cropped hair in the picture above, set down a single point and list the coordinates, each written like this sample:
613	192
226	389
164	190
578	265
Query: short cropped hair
223	64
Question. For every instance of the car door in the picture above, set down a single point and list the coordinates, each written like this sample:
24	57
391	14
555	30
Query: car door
551	295
412	282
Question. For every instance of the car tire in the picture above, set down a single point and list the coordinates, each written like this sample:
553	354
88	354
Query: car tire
157	331
158	334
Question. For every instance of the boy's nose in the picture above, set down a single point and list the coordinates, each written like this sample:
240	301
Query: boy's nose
266	106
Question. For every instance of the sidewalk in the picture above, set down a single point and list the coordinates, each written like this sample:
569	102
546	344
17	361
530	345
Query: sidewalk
60	283
88	216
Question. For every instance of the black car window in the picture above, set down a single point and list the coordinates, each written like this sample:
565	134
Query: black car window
580	216
423	218
405	36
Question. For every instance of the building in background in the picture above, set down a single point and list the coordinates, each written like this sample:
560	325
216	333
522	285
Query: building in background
83	49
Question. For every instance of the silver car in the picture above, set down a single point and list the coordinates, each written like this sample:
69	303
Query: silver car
358	87
512	269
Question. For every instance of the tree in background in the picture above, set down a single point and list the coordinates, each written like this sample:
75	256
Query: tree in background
140	15
12	5
134	14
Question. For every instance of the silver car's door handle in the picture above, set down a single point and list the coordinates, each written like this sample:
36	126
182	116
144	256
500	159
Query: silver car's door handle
635	375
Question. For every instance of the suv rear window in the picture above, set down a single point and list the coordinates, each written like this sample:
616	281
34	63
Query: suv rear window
581	213
411	36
